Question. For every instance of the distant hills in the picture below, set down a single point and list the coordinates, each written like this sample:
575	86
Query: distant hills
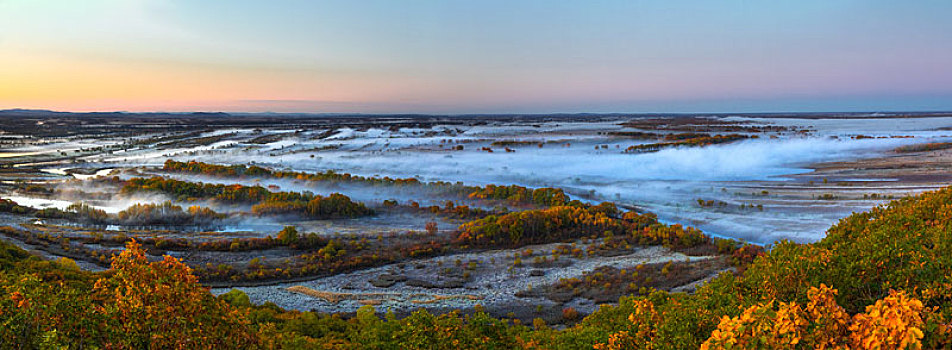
43	113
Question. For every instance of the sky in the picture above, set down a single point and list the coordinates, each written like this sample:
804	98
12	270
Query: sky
459	57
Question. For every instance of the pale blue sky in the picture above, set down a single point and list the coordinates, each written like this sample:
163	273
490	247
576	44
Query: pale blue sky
476	56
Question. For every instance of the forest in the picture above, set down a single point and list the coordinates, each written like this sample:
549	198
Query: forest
878	280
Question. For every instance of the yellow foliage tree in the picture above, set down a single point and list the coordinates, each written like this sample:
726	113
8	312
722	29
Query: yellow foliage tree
643	320
161	305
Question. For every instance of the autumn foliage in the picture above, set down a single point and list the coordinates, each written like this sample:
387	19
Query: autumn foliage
878	280
890	268
161	305
515	194
895	322
137	304
575	221
264	202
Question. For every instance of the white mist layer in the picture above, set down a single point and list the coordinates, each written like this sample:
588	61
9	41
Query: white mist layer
667	182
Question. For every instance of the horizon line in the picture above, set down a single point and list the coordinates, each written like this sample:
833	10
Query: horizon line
265	113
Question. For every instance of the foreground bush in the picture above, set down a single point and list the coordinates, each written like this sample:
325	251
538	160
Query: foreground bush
136	305
891	268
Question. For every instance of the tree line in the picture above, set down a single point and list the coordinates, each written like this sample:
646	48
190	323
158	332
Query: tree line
575	221
263	201
512	194
692	140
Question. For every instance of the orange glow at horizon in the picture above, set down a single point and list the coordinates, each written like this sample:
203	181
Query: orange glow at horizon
86	85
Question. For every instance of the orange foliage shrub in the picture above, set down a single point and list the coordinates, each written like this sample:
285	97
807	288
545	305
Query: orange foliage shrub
894	322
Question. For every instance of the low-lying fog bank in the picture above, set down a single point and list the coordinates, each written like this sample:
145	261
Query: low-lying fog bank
586	160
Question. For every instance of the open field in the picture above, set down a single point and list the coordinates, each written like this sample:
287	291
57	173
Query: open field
391	211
